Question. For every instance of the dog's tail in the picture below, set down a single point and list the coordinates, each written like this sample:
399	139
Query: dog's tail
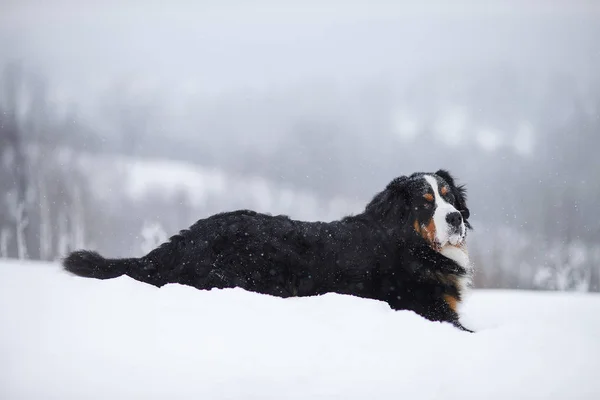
90	264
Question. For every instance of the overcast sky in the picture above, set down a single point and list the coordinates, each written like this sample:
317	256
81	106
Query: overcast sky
218	46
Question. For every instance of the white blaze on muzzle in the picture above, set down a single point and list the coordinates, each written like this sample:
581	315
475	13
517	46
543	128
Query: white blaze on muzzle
444	232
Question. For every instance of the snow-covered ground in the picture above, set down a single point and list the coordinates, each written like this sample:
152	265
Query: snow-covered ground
64	337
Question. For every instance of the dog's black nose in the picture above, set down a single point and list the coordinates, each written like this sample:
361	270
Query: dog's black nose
454	219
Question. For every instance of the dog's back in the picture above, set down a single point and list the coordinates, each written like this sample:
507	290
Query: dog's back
267	254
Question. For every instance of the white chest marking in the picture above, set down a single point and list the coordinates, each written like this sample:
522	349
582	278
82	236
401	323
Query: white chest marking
461	257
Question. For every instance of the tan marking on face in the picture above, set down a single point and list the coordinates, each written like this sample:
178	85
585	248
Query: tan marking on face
444	190
428	233
428	196
417	226
452	302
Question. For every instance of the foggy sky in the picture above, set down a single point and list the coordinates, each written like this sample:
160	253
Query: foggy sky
222	46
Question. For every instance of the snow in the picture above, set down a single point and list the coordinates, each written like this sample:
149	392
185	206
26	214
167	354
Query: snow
65	337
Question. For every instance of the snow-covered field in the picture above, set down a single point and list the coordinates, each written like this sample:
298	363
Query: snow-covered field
64	337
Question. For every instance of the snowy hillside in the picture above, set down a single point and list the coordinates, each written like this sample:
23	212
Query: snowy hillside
208	190
64	337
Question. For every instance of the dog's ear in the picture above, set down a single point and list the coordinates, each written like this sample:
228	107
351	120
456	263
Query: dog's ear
460	193
390	204
445	175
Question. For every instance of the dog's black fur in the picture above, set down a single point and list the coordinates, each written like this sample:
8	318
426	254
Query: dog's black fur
376	254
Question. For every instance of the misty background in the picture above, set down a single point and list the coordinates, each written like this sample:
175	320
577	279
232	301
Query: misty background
124	122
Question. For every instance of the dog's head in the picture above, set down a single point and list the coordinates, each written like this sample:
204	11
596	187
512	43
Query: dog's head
428	204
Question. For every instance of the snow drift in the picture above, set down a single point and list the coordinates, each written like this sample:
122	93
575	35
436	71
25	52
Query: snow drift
64	337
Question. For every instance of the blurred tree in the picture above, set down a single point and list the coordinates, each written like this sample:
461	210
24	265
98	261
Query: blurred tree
17	197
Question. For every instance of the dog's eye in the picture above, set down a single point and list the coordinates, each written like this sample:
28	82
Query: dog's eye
427	205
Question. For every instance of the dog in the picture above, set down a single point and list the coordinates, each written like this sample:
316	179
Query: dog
407	248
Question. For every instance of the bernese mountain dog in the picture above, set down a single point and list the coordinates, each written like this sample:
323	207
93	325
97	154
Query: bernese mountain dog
407	248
